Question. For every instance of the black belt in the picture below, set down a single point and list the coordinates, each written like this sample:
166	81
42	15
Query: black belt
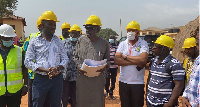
46	76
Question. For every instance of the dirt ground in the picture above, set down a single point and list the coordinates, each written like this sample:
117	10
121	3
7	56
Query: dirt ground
109	102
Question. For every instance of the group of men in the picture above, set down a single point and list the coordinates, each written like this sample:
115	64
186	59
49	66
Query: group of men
55	63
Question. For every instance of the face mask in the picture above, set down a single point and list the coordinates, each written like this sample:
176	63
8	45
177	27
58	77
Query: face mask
131	35
7	43
73	39
111	40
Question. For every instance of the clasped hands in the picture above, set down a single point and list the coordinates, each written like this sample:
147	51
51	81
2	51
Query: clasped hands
53	71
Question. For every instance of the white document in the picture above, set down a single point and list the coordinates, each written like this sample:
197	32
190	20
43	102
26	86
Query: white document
91	66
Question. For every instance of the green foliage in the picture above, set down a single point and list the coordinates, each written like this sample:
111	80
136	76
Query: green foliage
105	33
7	7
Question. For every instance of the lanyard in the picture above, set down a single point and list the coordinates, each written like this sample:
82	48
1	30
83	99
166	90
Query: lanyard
131	47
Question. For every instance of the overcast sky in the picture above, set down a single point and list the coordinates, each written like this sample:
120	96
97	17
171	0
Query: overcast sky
148	13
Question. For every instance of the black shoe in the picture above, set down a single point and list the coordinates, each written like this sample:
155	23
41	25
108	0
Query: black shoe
112	97
105	94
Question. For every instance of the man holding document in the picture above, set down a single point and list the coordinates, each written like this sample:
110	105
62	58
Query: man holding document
90	88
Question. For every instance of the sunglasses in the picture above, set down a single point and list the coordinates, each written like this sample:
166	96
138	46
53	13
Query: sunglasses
90	28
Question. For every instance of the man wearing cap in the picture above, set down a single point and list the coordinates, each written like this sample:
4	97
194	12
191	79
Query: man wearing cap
90	90
50	59
166	75
132	56
13	74
112	71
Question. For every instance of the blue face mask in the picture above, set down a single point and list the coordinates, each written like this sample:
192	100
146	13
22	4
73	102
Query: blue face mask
7	43
73	39
111	40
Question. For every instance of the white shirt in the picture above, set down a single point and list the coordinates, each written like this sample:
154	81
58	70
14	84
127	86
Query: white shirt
129	74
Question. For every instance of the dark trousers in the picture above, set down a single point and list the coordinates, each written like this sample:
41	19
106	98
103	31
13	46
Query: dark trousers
30	103
111	75
131	95
42	86
69	90
11	101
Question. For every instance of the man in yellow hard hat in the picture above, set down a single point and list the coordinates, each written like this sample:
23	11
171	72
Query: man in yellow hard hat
191	97
192	53
166	75
90	90
50	60
30	72
70	73
65	31
14	75
132	56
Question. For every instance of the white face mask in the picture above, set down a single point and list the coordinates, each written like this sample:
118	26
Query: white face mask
131	35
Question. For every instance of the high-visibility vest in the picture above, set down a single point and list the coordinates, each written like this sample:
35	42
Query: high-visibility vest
13	71
62	38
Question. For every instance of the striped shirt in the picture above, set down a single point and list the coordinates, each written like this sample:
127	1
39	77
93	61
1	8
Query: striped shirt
193	86
161	82
113	49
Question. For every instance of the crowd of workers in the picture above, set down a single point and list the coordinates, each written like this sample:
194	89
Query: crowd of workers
48	67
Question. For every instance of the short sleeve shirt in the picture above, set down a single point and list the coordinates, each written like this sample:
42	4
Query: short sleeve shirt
161	82
129	74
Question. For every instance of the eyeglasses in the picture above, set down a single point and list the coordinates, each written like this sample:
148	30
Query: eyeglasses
90	28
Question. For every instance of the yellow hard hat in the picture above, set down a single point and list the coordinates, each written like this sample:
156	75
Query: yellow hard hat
65	25
76	28
133	25
165	41
93	20
49	15
189	42
39	21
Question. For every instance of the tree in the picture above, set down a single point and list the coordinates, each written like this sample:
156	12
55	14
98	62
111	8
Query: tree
105	33
7	7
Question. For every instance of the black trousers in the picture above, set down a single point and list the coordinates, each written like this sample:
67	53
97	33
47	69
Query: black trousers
131	95
11	101
30	103
111	75
69	90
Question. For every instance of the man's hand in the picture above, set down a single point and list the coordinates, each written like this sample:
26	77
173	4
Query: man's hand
53	71
185	102
167	105
101	70
24	90
80	70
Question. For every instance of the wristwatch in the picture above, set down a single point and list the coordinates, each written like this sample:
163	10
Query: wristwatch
25	85
125	57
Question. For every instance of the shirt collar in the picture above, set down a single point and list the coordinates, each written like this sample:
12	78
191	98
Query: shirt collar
139	40
165	60
54	36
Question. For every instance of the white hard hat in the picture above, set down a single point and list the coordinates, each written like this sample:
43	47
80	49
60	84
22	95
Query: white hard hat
7	31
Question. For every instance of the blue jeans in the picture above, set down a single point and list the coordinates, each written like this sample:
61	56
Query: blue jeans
43	85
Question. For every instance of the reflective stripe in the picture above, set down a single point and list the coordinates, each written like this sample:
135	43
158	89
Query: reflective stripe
2	83
19	57
11	71
15	82
11	82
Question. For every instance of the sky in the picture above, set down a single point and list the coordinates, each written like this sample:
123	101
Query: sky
148	13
